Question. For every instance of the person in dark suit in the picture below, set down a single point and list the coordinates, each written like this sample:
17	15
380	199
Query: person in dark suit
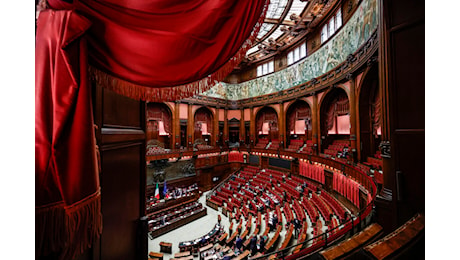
262	244
296	227
253	245
238	243
275	220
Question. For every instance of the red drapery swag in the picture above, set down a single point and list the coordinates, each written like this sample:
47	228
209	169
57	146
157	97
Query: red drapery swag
67	192
167	50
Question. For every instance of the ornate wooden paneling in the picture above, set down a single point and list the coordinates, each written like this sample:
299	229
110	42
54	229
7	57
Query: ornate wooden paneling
121	139
402	90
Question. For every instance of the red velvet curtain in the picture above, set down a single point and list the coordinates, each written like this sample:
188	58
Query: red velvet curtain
150	50
167	50
67	193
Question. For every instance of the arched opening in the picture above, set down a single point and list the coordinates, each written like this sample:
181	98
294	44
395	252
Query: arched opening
203	128
335	123
370	116
159	127
234	132
267	128
298	125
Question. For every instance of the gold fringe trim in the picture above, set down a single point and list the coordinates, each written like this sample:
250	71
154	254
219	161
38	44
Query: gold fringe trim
68	230
162	94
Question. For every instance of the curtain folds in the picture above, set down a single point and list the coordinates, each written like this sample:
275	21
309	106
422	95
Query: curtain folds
168	50
67	192
148	50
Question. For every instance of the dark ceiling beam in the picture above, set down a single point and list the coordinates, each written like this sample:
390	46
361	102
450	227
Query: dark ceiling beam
277	22
283	16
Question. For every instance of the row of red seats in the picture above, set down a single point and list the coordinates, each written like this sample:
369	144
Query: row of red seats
251	168
217	200
261	183
262	143
311	211
290	190
299	212
307	150
336	147
376	163
292	183
235	157
274	172
288	213
342	142
330	152
302	181
275	175
323	209
224	194
339	211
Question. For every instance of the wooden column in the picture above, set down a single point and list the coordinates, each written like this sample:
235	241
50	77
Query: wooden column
282	125
242	133
176	126
402	74
216	127
252	128
190	127
353	111
225	125
316	136
121	139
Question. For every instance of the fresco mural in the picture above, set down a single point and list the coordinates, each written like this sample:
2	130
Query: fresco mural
353	34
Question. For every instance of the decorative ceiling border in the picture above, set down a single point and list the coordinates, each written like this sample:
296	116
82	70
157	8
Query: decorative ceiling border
365	55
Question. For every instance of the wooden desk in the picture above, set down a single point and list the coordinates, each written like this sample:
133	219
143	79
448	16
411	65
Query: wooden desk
166	247
287	237
346	247
230	239
156	255
190	257
274	238
206	248
183	254
391	244
222	238
243	255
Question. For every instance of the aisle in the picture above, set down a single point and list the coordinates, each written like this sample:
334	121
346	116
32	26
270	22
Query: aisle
189	231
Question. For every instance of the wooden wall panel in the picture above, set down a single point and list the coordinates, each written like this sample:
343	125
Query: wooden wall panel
120	181
120	111
402	86
121	139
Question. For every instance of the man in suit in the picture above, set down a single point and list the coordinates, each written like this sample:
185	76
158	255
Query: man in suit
262	244
238	244
296	227
253	245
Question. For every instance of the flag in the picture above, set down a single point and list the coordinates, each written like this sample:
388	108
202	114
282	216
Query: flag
157	192
165	191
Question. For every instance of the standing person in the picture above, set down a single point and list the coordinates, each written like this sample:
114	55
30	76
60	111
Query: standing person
262	244
219	218
253	245
238	244
296	227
